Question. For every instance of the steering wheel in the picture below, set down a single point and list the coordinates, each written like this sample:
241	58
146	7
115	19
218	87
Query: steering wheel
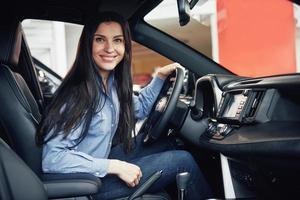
163	107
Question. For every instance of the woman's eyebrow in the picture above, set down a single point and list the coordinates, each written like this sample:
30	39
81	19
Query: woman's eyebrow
96	34
118	36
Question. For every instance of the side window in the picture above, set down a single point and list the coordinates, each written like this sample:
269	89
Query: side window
53	47
144	64
54	44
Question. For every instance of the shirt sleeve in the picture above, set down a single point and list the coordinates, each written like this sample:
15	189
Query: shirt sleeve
58	158
145	100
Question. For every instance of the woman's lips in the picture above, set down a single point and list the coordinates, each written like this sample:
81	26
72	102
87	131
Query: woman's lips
108	58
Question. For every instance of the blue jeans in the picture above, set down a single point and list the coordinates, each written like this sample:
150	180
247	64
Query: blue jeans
158	156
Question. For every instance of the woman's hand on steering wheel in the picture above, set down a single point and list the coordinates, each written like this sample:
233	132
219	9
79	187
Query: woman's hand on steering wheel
164	72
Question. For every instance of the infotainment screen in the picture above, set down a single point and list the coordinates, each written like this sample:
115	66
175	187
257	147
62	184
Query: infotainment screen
239	106
234	106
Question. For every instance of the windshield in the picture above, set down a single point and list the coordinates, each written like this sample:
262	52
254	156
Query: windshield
250	38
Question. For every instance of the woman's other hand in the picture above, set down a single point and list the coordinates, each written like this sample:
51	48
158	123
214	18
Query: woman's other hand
129	173
164	72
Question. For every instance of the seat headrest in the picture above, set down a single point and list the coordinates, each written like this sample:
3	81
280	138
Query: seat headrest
10	43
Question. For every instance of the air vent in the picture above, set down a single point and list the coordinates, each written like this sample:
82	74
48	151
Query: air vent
250	82
257	99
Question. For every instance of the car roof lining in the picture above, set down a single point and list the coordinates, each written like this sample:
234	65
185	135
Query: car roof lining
72	11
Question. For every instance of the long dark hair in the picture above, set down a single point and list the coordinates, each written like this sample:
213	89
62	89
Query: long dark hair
79	95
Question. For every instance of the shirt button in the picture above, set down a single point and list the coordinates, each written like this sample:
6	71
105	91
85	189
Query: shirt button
111	105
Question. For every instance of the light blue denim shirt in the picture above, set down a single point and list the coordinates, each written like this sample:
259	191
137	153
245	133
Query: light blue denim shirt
91	154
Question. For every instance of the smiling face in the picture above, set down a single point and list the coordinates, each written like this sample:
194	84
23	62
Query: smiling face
108	47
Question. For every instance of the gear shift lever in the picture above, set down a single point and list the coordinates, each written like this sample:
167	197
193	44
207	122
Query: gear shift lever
182	180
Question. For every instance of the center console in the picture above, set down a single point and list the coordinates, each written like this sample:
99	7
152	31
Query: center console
236	108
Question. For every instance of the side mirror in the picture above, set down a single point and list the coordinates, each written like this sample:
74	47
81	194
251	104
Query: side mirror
183	12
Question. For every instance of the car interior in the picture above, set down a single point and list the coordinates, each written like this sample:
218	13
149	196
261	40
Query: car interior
242	131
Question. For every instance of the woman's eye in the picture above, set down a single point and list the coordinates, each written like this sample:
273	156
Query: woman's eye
99	39
119	40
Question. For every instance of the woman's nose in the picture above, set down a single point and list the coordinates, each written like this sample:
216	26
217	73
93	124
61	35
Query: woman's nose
109	47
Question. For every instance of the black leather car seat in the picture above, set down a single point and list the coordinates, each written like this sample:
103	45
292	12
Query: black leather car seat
23	103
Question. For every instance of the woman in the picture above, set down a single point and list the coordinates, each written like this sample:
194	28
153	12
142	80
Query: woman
95	104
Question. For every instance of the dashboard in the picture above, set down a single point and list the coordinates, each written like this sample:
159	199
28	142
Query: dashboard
254	123
236	115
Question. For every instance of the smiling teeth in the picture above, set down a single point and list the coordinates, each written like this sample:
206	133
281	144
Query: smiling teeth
108	58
